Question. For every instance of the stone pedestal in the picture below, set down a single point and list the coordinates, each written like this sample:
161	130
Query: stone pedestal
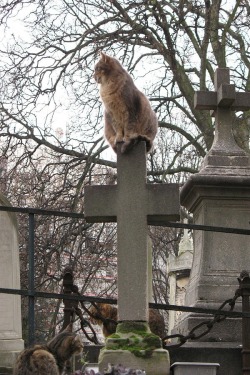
216	200
134	346
158	363
11	342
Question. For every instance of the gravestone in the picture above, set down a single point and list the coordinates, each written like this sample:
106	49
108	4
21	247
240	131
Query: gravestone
11	342
219	195
178	269
133	204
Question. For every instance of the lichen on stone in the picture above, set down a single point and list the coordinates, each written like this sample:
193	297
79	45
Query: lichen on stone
134	337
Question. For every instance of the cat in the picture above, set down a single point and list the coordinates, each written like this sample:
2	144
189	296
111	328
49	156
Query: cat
128	116
106	316
49	359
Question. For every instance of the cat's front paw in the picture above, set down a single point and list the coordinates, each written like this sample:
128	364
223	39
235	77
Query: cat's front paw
119	138
118	145
128	145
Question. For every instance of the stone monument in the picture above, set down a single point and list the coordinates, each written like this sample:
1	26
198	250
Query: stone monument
133	204
219	195
11	342
178	268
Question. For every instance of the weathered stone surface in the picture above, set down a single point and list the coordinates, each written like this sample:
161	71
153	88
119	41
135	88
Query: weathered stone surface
10	305
218	257
157	364
179	268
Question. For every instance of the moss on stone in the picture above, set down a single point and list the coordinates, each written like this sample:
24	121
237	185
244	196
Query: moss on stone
140	342
151	340
132	327
115	336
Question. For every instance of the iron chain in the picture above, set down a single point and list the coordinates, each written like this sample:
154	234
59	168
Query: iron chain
195	333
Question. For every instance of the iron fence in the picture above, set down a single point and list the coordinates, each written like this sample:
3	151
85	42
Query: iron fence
31	293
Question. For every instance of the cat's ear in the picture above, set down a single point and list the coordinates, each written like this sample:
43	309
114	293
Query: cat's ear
77	339
104	57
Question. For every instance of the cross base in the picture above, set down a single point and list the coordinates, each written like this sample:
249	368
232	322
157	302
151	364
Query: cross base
135	346
158	363
226	163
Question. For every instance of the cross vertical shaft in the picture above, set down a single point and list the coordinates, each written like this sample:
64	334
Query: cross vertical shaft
132	236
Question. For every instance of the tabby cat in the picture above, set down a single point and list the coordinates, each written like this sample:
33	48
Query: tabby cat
49	359
128	116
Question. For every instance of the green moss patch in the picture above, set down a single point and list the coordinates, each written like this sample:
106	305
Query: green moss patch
134	337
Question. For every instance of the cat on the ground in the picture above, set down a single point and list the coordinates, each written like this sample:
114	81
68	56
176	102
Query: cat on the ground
49	359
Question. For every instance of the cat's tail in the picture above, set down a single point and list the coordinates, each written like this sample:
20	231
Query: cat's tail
128	145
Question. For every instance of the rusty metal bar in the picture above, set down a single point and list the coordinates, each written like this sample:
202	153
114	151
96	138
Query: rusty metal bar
170	224
67	290
112	301
31	287
244	290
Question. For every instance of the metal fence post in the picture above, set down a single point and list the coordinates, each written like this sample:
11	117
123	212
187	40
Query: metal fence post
31	280
244	282
67	289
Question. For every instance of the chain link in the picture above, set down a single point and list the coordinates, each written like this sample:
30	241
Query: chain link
207	324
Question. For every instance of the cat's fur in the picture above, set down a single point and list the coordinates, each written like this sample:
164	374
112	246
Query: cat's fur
109	312
49	359
128	116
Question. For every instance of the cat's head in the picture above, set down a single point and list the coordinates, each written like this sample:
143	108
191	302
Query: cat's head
106	67
104	310
65	344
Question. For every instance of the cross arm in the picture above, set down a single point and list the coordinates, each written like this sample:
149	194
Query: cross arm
225	97
100	203
163	203
242	101
205	100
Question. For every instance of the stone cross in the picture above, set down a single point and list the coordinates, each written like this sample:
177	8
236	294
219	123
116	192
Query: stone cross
134	204
222	102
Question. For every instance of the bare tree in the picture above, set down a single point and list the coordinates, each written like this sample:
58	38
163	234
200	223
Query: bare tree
170	48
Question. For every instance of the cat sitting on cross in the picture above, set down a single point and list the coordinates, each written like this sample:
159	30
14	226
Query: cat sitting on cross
128	116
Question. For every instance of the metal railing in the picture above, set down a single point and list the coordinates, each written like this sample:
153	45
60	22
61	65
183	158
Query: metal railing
31	293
